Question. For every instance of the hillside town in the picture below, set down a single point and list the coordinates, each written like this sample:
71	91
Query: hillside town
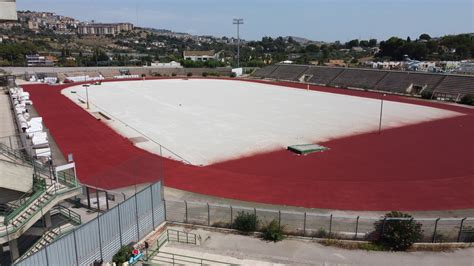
56	40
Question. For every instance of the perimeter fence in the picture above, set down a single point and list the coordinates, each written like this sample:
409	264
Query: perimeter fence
435	230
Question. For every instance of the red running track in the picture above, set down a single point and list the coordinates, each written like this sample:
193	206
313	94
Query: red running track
429	166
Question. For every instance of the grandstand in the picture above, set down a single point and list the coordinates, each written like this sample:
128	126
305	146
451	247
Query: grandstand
358	78
322	75
288	72
454	86
444	87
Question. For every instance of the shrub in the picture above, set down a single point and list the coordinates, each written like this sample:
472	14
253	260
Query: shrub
189	74
233	75
321	233
122	255
426	94
246	222
204	74
467	99
397	235
173	74
273	232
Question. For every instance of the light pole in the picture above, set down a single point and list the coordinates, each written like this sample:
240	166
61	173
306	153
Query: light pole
87	94
238	22
381	112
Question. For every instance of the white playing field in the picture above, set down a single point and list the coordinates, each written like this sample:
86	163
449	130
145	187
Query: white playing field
207	121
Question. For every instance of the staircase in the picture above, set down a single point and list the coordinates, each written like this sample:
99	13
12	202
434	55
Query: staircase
48	191
51	235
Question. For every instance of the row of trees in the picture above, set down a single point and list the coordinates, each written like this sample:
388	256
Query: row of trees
451	47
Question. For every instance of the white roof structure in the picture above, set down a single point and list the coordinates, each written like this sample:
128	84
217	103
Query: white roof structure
8	10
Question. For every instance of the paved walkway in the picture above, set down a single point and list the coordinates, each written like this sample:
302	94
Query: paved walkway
230	247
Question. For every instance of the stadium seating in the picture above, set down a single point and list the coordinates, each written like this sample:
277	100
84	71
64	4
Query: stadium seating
358	78
288	72
265	72
109	73
322	75
430	81
456	85
396	82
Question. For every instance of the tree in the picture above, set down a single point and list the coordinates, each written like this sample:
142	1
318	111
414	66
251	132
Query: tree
397	231
425	37
352	43
364	43
312	49
372	42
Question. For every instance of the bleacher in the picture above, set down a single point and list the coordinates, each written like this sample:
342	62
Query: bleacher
109	73
288	72
322	75
430	81
265	72
396	82
456	86
358	78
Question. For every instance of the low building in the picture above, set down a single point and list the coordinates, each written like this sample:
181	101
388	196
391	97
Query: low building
8	10
103	28
39	60
200	55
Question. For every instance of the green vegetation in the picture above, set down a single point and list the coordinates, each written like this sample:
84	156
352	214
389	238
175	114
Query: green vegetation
246	222
123	255
467	99
397	234
450	47
273	232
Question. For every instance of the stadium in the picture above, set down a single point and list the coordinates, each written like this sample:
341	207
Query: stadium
113	153
314	148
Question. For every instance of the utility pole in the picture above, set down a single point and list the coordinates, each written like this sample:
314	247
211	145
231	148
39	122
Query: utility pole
238	22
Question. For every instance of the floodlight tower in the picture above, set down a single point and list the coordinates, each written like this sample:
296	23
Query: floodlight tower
238	22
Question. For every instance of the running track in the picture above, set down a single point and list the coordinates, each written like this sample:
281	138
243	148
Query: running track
429	166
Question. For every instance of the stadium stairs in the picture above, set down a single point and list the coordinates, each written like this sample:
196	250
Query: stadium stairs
52	234
48	190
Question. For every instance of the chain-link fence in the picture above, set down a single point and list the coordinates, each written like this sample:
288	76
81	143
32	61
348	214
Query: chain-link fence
309	224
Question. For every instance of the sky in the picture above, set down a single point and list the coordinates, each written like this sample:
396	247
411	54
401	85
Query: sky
320	20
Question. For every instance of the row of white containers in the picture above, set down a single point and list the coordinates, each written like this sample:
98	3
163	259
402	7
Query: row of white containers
32	127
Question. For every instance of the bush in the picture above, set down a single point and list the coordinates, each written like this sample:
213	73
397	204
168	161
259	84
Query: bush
426	94
233	75
273	232
321	233
467	99
189	74
204	74
173	74
397	235
123	255
246	222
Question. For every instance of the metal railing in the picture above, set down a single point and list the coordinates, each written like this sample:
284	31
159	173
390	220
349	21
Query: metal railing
26	200
309	224
172	235
68	213
173	258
